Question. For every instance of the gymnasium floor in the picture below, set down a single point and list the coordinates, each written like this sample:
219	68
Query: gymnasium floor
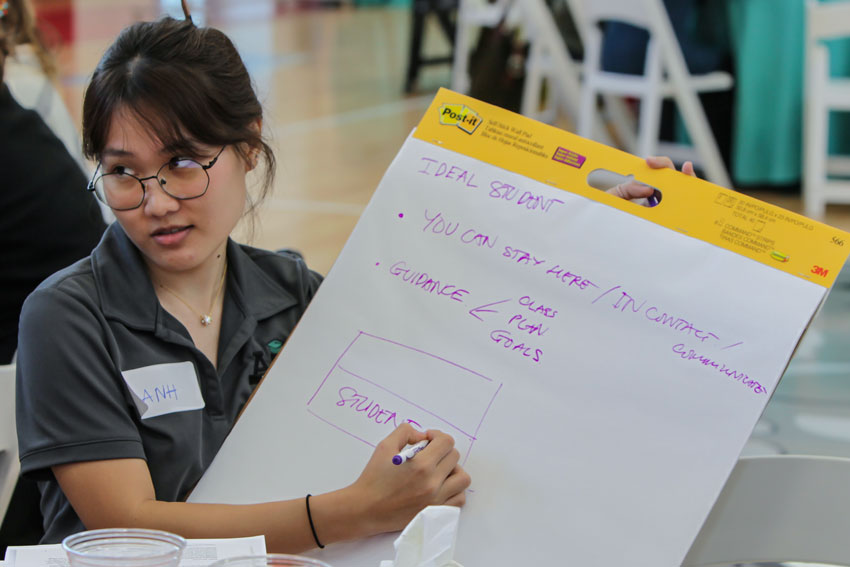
331	78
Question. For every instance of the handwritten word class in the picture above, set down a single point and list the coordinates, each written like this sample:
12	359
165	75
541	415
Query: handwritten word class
371	410
160	394
426	283
536	307
531	201
691	354
505	339
442	169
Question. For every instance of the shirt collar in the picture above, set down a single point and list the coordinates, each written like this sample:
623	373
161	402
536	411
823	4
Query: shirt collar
127	293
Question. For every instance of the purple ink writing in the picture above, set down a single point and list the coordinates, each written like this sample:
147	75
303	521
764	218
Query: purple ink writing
442	169
569	278
438	224
678	324
474	237
523	324
505	339
426	283
626	303
371	410
536	307
531	201
521	256
690	354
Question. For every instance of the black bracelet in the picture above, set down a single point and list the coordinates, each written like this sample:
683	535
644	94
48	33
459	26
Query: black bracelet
312	527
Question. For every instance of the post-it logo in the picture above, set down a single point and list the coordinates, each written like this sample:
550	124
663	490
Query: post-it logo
461	116
568	157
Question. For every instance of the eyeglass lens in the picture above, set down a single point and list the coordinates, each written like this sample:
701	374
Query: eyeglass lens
182	179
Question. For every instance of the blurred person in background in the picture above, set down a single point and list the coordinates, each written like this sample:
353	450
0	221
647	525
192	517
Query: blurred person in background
31	75
48	221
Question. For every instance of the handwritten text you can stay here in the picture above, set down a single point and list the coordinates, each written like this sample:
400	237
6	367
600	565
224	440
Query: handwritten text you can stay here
521	324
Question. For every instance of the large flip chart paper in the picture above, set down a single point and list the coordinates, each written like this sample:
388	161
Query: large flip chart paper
599	364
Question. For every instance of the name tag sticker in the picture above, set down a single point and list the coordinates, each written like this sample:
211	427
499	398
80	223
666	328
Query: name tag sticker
164	388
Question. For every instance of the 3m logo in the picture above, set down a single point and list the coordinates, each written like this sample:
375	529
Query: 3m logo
461	116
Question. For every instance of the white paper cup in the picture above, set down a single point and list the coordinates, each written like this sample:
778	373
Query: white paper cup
273	559
121	547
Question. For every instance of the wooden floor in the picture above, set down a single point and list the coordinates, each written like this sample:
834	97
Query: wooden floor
331	79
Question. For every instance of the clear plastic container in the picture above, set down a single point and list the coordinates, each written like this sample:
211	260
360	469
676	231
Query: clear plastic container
124	547
273	559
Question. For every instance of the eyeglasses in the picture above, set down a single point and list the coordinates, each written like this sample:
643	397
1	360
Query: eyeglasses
180	178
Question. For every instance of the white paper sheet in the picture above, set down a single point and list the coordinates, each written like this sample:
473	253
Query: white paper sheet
599	373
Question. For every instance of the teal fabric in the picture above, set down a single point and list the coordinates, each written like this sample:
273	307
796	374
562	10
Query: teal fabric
767	38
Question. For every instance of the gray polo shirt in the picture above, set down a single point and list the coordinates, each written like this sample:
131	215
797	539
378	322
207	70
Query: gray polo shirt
86	327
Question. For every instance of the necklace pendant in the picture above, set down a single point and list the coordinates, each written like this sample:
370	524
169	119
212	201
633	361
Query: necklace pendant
206	320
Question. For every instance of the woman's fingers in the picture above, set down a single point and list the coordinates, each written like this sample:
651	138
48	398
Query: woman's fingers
658	162
631	190
453	491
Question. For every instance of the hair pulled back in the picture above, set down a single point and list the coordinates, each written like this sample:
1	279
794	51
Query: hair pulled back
187	84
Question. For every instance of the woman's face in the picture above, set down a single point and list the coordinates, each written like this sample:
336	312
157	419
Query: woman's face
175	235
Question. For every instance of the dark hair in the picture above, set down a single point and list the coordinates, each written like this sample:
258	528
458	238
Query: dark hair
187	84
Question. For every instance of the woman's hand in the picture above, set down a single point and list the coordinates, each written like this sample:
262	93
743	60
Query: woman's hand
636	190
391	495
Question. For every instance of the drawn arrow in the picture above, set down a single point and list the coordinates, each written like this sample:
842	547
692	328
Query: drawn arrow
483	309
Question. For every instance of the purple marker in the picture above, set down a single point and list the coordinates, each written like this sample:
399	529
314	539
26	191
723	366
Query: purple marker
653	199
409	451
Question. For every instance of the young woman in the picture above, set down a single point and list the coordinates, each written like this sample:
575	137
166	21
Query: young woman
171	117
168	298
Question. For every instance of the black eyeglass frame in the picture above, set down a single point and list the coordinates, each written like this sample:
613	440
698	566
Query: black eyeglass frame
95	178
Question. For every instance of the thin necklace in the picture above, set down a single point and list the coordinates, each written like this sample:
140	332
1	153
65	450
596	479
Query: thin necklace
205	318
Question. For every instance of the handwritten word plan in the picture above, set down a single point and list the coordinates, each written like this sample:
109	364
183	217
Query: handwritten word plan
599	364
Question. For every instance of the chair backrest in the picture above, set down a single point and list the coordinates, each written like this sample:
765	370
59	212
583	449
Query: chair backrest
779	508
629	11
827	20
9	464
665	61
824	21
823	94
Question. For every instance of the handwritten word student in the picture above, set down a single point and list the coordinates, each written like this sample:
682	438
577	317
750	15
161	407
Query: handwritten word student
134	363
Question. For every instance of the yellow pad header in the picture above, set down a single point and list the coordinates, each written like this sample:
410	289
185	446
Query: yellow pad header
765	233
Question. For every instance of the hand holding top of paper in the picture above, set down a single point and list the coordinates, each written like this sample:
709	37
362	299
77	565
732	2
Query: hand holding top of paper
390	495
634	190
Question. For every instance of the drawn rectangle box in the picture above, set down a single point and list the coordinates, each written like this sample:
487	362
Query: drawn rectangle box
377	384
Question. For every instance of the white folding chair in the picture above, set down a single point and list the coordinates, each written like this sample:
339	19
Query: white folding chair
778	509
823	94
9	464
665	76
548	57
